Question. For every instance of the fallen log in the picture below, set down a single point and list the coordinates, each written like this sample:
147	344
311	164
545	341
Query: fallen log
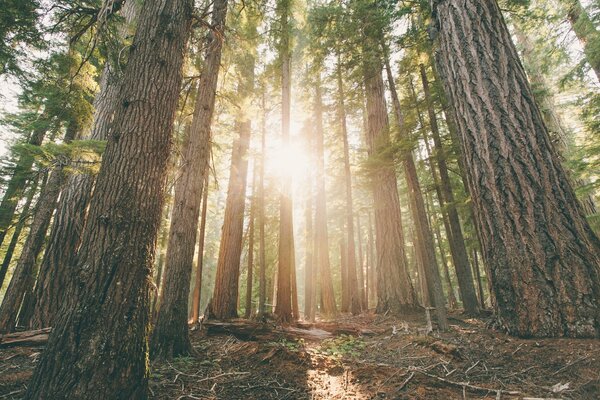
26	338
251	330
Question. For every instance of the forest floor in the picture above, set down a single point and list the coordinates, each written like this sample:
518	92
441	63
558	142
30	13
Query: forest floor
380	357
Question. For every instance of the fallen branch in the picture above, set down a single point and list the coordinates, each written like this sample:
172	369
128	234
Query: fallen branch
27	338
251	330
465	385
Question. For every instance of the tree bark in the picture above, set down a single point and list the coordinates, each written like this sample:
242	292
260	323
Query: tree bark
457	241
543	256
170	335
71	213
395	292
556	128
223	304
85	358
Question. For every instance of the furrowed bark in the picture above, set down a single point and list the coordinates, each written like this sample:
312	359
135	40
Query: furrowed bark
543	257
84	358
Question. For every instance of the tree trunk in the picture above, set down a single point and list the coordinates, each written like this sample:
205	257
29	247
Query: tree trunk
329	308
457	241
373	260
283	307
544	97
85	357
586	32
23	217
353	292
262	284
361	272
223	304
395	292
26	270
200	262
479	283
160	264
18	181
425	241
309	283
170	335
249	280
546	271
71	213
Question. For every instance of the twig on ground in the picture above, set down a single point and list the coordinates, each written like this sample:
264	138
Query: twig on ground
465	385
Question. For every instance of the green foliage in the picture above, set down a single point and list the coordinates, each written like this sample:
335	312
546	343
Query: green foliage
343	346
290	345
18	31
79	156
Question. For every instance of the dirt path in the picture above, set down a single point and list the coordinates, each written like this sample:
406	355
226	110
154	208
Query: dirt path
395	360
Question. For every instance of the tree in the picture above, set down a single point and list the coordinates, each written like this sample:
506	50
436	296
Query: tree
72	209
328	306
25	273
200	263
355	295
170	335
545	273
586	32
458	248
395	292
114	262
223	304
424	238
285	263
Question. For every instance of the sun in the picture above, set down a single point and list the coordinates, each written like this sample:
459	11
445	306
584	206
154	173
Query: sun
288	161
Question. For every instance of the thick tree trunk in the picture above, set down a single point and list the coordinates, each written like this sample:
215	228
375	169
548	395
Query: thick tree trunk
285	262
457	241
71	213
26	270
329	308
98	346
23	217
425	242
200	260
543	256
395	292
18	181
170	335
